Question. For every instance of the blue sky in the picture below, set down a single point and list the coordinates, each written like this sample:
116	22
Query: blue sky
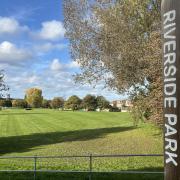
34	51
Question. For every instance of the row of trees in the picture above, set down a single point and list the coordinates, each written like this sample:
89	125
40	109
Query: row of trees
33	98
89	102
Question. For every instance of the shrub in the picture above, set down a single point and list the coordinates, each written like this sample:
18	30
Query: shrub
5	103
19	103
114	109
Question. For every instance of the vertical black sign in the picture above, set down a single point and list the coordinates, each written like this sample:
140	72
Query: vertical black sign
171	67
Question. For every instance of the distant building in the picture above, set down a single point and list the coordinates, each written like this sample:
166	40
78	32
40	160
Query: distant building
124	105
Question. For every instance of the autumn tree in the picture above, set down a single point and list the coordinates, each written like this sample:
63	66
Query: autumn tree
73	102
119	42
57	102
34	97
89	102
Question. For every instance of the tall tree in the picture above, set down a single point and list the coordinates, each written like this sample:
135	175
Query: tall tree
34	97
118	42
73	103
89	102
57	102
102	103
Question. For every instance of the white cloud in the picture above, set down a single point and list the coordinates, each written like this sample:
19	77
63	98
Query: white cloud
10	54
32	79
10	26
48	47
51	30
73	64
56	65
58	83
22	77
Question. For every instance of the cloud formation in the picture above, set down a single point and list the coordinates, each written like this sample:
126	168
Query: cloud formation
57	83
51	30
56	65
10	54
73	64
43	48
10	26
39	57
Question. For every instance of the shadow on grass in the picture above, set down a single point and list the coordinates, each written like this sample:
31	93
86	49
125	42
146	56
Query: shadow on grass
24	143
83	176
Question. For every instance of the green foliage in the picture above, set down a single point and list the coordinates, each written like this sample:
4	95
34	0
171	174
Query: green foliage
2	103
5	103
46	103
89	102
102	103
114	109
19	103
74	103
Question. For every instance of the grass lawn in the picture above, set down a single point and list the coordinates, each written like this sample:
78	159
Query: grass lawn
50	132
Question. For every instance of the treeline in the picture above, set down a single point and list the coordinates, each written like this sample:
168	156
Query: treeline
89	103
34	99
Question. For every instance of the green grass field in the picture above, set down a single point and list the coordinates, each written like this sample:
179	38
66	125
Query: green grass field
50	132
